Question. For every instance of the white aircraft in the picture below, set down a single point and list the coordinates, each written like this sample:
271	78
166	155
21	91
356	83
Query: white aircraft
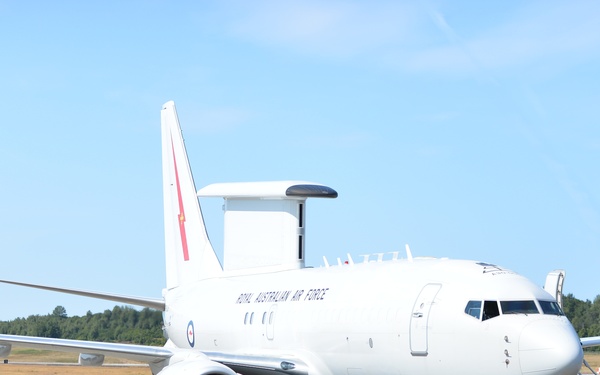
264	312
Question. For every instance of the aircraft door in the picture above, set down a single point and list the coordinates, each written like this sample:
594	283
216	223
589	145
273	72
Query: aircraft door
271	322
419	320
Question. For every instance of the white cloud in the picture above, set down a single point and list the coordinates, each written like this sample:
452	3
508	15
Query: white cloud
217	120
331	29
350	140
405	36
438	117
581	199
545	32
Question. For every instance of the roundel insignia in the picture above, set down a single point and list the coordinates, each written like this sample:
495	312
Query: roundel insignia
190	334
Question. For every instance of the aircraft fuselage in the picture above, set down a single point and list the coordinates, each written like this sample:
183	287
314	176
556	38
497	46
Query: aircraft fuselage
393	317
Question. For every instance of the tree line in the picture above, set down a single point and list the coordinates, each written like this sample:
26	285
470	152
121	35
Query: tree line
121	324
584	315
128	325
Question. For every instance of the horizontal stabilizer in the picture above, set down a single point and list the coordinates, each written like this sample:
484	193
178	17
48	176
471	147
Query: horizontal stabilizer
154	303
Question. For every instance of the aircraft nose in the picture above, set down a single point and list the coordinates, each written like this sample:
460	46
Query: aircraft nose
550	347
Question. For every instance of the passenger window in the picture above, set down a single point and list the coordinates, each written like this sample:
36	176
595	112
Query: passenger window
551	308
474	309
252	318
264	318
246	318
490	310
519	307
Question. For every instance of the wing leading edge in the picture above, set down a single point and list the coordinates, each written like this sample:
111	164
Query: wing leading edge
154	303
588	342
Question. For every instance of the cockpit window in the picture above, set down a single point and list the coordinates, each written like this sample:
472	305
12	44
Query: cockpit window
551	308
490	310
519	307
474	309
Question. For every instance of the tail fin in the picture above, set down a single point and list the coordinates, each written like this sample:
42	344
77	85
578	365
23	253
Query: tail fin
189	253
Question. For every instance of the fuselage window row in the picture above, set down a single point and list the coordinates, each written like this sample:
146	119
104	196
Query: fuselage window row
249	318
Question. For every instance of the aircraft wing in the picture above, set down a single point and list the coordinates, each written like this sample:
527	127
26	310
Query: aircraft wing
140	353
159	358
588	342
154	303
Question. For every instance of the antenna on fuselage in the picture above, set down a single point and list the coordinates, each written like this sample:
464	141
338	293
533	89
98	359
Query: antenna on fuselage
408	253
350	261
265	223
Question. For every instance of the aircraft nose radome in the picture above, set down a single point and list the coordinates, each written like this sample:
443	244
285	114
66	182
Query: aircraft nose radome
550	347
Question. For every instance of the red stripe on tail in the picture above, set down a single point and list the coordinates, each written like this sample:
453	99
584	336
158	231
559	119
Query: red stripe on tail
181	216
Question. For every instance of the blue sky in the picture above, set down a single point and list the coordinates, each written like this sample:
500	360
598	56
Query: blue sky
465	129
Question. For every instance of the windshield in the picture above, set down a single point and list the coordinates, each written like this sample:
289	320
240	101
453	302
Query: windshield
483	310
474	309
519	307
551	308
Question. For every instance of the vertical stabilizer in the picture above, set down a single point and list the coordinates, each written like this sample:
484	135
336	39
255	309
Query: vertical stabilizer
189	253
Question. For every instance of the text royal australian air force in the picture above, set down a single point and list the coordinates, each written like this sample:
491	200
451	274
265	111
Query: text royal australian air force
318	294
